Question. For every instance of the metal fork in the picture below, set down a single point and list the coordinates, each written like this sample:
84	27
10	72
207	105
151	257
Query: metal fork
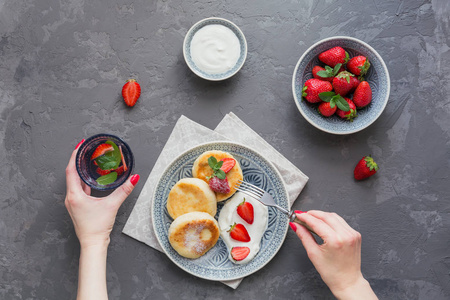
266	199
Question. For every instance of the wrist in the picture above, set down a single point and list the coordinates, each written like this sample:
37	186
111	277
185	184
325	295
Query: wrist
94	243
361	289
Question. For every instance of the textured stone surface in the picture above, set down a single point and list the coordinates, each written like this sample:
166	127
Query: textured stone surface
62	65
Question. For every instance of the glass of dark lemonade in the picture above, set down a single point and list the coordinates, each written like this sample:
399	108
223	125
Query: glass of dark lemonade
104	162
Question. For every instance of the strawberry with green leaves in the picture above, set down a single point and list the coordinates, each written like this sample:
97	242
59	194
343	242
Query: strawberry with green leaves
326	109
239	233
334	100
365	168
218	181
246	212
313	87
342	84
334	56
326	73
358	65
350	114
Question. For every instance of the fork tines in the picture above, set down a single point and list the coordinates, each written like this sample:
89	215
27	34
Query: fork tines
243	186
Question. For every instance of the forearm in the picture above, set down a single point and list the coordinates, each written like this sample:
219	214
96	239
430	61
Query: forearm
360	290
92	272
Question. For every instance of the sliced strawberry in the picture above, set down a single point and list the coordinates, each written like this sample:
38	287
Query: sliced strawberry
123	160
239	233
131	92
119	170
102	172
239	253
101	150
219	185
228	164
245	211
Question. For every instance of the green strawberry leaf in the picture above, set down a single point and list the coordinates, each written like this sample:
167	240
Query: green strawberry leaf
341	103
212	162
110	160
107	179
326	96
304	94
346	57
324	74
220	174
336	69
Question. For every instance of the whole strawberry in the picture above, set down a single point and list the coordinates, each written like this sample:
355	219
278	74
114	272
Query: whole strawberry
350	114
354	81
366	167
358	65
326	110
342	84
362	95
334	56
326	73
219	185
313	87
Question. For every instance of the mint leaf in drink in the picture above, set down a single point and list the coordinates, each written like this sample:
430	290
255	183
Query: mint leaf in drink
107	179
110	160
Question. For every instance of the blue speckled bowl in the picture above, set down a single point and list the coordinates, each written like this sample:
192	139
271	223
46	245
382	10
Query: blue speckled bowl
187	49
378	78
215	265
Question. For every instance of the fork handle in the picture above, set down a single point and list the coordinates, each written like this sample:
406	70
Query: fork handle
293	218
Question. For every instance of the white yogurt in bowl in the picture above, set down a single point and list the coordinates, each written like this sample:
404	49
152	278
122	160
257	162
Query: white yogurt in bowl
228	216
215	49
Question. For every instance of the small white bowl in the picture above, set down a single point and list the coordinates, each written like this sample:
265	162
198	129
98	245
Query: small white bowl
187	49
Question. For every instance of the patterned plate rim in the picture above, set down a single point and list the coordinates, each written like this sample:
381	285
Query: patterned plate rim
342	38
212	144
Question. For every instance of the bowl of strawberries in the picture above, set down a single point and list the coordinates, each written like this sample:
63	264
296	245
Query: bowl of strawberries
341	85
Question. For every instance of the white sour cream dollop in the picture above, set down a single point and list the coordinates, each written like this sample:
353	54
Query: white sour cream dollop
228	216
215	49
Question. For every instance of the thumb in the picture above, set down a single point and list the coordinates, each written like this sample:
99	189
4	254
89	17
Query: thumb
122	192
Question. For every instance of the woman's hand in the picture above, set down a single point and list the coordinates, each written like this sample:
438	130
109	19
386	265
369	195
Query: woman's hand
93	218
338	259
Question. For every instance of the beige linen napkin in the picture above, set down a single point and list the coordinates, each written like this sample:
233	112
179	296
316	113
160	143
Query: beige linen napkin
188	134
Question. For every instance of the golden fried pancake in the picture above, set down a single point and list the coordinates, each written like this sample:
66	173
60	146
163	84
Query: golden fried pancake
201	170
193	234
191	194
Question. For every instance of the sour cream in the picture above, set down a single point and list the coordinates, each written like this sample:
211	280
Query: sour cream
215	49
228	216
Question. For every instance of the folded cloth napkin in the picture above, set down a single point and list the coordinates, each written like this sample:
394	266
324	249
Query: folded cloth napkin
188	134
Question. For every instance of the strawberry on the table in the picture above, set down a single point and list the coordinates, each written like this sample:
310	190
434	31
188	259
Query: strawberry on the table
131	92
365	168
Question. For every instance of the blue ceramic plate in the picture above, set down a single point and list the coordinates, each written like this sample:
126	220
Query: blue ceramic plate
187	49
377	76
215	265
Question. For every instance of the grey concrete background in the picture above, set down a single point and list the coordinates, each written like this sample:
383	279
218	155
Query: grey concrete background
62	66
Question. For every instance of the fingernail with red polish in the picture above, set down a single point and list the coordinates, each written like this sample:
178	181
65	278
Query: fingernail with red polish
134	179
293	226
300	212
82	141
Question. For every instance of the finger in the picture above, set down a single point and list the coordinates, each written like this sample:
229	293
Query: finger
308	241
321	228
73	181
332	219
122	192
